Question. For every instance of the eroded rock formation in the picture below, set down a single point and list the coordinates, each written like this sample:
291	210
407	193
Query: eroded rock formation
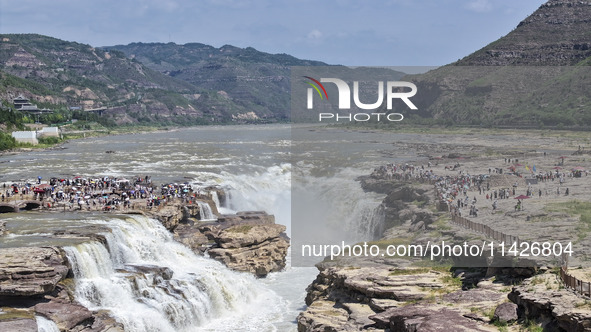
30	271
390	296
246	242
33	282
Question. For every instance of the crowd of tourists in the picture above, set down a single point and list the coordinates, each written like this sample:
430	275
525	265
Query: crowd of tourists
404	172
458	191
99	193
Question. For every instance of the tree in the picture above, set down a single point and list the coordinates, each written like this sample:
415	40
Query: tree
7	142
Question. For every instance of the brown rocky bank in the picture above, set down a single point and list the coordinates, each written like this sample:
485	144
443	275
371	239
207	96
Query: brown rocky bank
391	294
246	242
38	281
249	241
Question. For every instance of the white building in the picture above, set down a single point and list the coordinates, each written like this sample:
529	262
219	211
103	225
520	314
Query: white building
25	137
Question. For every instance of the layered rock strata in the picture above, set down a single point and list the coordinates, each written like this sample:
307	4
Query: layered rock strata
34	282
247	242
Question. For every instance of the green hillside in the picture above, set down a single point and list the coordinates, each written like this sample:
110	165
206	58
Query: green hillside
253	80
57	74
151	84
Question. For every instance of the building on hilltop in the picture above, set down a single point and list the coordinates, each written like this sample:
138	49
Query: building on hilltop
29	108
21	101
24	105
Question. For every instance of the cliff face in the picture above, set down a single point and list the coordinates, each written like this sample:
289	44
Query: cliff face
389	296
564	310
249	241
31	271
555	34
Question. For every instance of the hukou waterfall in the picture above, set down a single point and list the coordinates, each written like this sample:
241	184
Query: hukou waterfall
148	282
205	212
134	271
340	206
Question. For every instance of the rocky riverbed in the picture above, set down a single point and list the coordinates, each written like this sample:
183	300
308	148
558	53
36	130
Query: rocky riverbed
414	294
38	281
246	242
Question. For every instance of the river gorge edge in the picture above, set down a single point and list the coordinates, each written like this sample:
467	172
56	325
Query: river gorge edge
395	295
39	281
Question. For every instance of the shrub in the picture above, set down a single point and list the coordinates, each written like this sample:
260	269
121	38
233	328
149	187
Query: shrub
49	140
6	141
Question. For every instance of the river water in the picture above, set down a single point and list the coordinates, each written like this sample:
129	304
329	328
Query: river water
258	166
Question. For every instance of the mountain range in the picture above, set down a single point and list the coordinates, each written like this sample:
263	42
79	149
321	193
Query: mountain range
149	83
254	81
534	76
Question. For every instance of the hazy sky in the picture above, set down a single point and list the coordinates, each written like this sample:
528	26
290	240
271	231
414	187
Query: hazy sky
349	32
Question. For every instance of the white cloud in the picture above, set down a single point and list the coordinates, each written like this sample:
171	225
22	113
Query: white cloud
314	34
167	5
479	6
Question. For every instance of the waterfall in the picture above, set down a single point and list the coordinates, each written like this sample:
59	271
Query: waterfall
205	212
336	208
45	325
215	199
148	282
222	208
365	219
372	224
268	189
